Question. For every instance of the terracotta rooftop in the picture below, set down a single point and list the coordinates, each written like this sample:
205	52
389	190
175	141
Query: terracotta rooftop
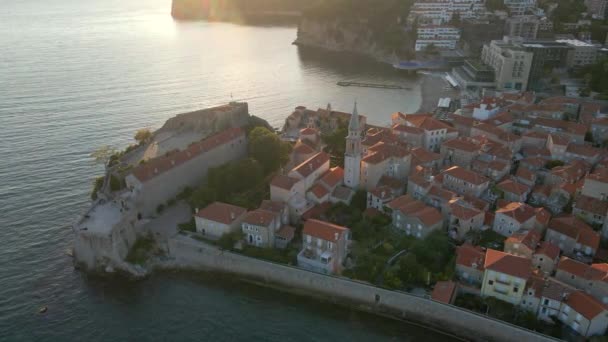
585	305
525	173
466	175
581	270
463	120
548	249
382	192
342	193
598	176
308	131
508	264
426	122
333	177
470	256
319	190
529	238
273	206
260	217
311	164
568	225
444	291
423	156
521	212
302	148
461	143
536	135
221	212
162	164
560	139
513	187
591	205
324	230
556	290
584	150
414	208
565	126
284	182
381	152
407	129
464	213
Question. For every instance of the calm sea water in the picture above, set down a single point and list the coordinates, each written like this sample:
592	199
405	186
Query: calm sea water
75	75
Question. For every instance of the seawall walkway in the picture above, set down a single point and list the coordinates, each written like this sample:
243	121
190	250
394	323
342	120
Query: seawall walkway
187	253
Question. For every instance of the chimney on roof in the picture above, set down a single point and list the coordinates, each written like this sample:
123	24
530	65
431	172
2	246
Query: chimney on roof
232	216
336	236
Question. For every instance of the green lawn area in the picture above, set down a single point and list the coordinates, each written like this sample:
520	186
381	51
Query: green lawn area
143	248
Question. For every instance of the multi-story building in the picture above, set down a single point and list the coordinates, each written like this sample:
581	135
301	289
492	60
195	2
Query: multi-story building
547	54
473	76
259	227
519	7
441	11
324	247
465	182
464	218
546	257
505	276
512	217
583	52
593	278
475	32
523	243
595	185
440	36
524	26
414	218
572	236
597	8
511	64
584	314
218	219
460	151
469	263
160	179
435	131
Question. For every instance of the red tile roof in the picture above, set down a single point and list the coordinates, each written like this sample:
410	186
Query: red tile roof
284	182
159	165
273	206
470	256
319	191
525	173
323	230
303	149
260	217
308	131
414	208
333	177
407	129
462	143
423	156
221	212
521	212
548	249
584	150
508	264
444	291
591	205
585	305
464	213
466	175
529	238
311	164
513	187
596	272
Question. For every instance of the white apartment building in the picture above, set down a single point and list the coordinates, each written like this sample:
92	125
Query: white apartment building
511	64
519	7
441	11
442	37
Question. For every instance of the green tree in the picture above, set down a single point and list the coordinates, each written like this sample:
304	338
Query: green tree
410	271
265	147
142	135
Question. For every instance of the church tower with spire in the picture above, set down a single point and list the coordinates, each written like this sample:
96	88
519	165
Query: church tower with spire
352	156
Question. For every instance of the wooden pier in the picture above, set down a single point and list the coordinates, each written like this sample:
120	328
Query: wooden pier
369	85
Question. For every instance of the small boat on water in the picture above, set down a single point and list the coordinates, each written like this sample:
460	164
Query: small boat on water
43	309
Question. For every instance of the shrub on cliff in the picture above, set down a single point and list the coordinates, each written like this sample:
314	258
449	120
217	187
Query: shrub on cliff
142	135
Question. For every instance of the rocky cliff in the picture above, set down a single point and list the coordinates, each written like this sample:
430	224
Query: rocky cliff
342	36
